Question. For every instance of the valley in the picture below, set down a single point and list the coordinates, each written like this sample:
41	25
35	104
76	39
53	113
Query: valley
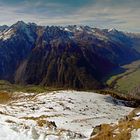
126	81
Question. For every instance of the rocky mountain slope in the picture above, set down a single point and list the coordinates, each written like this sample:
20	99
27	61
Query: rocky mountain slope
72	56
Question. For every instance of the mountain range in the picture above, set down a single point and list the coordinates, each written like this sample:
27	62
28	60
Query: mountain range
72	56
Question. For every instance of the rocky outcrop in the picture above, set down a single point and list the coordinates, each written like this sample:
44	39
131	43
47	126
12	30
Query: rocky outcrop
124	129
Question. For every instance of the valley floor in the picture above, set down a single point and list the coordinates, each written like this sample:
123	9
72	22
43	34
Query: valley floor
126	81
58	115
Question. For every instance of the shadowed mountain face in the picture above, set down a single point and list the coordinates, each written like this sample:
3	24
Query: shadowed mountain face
72	56
2	28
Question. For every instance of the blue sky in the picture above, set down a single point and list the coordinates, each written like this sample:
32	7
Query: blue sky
120	14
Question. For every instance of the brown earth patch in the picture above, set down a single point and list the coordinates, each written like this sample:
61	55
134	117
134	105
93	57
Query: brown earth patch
5	97
120	131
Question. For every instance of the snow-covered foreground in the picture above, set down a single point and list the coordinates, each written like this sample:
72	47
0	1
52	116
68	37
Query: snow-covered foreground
135	135
62	115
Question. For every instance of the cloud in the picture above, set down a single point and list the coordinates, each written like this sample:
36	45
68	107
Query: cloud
120	14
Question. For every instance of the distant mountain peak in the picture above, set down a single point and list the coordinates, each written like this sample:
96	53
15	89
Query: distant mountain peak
19	24
112	30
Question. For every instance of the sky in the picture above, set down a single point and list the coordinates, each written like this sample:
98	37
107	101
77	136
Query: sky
119	14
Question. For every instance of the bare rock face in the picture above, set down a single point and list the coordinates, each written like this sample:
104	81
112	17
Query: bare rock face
73	56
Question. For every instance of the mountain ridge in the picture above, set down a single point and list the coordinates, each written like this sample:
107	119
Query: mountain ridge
70	56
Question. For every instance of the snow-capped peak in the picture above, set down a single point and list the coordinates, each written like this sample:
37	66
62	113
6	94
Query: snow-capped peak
67	29
19	25
112	30
79	28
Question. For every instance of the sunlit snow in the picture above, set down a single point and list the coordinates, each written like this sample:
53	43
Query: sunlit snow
74	113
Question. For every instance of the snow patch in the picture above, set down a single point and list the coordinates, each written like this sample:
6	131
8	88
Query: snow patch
135	135
74	113
6	34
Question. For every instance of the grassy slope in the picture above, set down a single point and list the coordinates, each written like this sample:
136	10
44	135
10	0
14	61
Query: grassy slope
8	87
128	80
122	83
127	83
